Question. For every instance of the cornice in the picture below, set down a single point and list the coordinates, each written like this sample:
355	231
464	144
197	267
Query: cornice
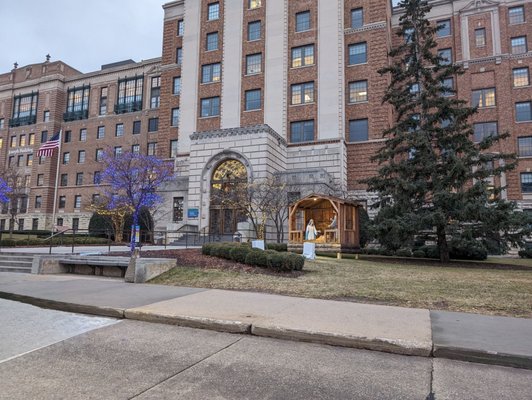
368	27
224	133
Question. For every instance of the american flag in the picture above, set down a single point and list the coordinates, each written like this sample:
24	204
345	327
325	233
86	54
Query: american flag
47	148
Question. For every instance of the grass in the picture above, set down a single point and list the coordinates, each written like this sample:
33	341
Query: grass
485	291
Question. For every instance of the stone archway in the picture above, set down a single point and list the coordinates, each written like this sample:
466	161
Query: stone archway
228	179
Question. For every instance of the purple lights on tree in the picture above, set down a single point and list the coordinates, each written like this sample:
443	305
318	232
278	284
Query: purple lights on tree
131	180
4	190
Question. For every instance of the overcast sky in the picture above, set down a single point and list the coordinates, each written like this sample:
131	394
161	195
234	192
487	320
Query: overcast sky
83	33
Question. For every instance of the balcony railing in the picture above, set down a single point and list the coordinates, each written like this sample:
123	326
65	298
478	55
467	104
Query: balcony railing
20	121
75	115
123	108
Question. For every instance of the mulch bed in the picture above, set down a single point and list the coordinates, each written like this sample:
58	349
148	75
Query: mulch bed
194	258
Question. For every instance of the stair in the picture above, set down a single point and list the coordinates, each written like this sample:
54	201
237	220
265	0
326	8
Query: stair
16	262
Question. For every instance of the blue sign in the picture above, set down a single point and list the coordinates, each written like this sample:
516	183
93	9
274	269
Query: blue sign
193	213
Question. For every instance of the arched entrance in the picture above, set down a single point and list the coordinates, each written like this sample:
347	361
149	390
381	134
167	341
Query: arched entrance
228	181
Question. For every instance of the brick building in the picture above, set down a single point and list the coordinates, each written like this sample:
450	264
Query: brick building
256	88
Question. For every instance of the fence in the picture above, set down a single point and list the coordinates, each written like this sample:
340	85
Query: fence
77	237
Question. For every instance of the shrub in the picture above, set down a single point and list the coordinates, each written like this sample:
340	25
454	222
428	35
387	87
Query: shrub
275	259
239	253
418	253
526	253
277	246
295	261
386	252
373	251
403	253
467	250
8	243
206	249
430	251
257	257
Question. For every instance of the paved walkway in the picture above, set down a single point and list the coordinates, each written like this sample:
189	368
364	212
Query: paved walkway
469	337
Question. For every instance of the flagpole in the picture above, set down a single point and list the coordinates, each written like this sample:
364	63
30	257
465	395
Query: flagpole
57	178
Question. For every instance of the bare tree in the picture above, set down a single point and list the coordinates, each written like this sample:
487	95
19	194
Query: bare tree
117	215
18	195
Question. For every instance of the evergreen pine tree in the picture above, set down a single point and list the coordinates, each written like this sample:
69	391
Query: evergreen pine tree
433	180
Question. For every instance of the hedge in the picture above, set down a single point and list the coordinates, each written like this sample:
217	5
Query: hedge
243	253
526	253
55	241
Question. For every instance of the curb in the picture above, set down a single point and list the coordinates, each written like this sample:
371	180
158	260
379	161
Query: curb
191	322
332	339
483	357
63	306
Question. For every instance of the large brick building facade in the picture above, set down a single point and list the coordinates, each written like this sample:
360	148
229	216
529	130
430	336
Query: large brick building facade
285	87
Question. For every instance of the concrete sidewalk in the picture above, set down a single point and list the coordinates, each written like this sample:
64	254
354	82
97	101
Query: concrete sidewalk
468	337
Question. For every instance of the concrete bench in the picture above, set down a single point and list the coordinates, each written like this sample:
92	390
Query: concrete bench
95	265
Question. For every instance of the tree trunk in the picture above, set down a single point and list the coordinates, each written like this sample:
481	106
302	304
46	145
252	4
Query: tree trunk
134	230
443	246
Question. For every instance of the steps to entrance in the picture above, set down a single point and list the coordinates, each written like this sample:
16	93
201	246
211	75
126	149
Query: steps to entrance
16	262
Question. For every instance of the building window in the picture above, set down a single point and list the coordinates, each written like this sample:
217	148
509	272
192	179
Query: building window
211	73
521	77
175	117
302	131
77	201
135	149
2	123
99	154
212	41
60	221
119	130
180	27
518	45
31	140
62	201
155	99
152	148
446	55
524	145
64	180
136	127
213	11
1	142
516	15
176	89
38	202
83	135
358	91
130	92
357	53
79	179
177	214
448	87
68	136
153	124
13	141
46	116
40	179
179	56
484	130
100	133
44	136
303	21
252	4
11	160
523	111
35	224
253	100
358	130
444	28
95	198
357	18
302	56
526	182
480	37
81	156
77	104
303	93
117	151
103	101
97	177
22	141
66	158
24	110
75	224
20	160
210	107
253	64
483	98
254	31
173	148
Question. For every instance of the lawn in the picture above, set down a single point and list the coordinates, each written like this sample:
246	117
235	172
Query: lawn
486	291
